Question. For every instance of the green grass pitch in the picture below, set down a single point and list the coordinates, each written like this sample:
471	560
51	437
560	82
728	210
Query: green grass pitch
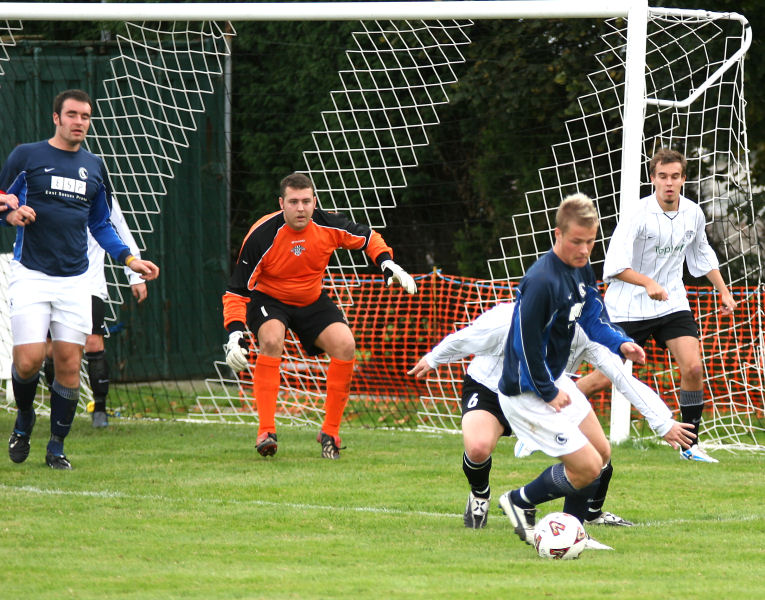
173	510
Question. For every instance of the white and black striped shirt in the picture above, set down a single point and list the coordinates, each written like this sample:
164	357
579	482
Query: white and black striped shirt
655	243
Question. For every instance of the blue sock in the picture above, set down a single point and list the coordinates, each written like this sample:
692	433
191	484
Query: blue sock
551	484
56	446
63	404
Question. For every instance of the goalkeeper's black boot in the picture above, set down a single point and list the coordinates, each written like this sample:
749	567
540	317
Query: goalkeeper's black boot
330	445
18	444
266	444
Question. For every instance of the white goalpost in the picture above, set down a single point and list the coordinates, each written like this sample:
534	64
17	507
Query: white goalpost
665	77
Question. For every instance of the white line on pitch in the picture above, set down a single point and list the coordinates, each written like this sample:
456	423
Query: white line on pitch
109	494
298	506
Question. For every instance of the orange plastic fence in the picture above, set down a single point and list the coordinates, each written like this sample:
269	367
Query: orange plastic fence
394	330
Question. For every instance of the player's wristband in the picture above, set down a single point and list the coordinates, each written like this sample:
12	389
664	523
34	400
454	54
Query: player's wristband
130	259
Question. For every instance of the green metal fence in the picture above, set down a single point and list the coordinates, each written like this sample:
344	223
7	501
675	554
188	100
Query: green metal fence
177	332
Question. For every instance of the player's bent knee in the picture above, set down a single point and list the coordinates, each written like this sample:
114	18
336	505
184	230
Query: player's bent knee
26	369
28	362
345	351
605	453
271	347
593	383
693	372
479	450
583	475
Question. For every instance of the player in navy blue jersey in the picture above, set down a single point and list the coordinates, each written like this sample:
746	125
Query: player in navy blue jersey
58	191
540	402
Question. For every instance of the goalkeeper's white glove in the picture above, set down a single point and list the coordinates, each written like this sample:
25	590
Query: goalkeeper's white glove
236	351
392	272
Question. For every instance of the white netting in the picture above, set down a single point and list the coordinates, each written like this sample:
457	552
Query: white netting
387	99
141	122
690	55
149	106
7	39
380	114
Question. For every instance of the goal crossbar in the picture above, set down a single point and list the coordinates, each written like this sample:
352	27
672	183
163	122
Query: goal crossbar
317	11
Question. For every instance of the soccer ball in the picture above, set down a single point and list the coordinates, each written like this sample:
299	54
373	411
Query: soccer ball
560	536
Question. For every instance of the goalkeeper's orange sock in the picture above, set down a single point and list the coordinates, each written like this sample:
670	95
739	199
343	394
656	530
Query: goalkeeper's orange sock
339	377
266	385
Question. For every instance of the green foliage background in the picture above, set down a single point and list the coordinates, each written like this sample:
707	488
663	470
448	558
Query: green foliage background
520	83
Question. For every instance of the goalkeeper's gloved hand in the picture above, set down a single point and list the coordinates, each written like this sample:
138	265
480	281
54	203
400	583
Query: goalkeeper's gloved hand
392	272
237	351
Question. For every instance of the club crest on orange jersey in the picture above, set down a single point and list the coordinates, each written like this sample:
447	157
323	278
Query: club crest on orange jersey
297	249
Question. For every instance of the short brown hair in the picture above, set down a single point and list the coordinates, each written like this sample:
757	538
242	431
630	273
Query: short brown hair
577	208
664	156
79	95
296	181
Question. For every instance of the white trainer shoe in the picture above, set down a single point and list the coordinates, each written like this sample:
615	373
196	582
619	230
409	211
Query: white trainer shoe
476	512
593	544
697	454
522	449
607	518
523	519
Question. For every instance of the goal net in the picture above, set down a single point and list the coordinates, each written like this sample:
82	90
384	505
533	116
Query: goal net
167	96
694	102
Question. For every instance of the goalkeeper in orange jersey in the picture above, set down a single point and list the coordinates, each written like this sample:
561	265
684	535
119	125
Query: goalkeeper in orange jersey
276	284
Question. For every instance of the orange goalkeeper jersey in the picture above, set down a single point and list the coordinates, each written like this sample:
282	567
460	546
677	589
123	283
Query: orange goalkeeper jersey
289	265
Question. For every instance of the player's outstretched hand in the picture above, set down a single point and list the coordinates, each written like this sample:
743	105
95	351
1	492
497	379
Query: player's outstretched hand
421	369
632	351
680	436
145	268
236	351
392	272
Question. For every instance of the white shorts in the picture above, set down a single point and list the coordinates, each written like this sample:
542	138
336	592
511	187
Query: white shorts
539	427
38	300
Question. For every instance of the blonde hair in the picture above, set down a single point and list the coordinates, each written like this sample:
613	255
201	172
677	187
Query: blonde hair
576	208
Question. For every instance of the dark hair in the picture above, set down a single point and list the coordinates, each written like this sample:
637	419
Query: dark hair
664	156
296	181
79	95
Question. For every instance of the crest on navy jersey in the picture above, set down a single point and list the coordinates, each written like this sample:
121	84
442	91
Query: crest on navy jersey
297	249
83	173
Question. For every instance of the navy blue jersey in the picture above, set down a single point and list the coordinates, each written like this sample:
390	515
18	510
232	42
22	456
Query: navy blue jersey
70	193
550	300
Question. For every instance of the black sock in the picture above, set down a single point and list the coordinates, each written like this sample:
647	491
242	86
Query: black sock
477	475
596	506
98	373
691	407
24	390
576	504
